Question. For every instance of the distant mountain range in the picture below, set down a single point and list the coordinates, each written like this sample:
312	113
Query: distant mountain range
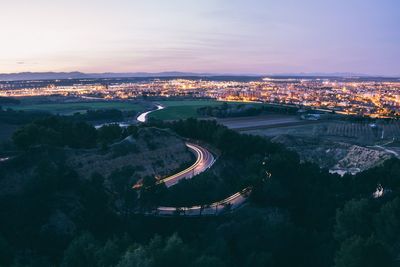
80	75
325	74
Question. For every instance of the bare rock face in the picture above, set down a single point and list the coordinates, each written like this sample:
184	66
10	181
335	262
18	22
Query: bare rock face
338	157
361	158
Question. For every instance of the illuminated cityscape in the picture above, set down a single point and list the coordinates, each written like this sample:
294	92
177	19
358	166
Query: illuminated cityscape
213	133
374	98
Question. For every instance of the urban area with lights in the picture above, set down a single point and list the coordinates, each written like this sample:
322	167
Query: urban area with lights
377	98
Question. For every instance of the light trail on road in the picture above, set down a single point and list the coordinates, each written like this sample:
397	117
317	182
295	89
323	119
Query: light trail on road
4	159
233	202
143	116
204	160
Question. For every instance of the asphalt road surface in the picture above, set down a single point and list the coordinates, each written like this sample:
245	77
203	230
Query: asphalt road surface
230	203
204	160
143	116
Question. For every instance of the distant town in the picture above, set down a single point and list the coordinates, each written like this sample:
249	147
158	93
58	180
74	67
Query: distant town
376	98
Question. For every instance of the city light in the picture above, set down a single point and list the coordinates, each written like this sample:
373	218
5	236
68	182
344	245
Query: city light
378	99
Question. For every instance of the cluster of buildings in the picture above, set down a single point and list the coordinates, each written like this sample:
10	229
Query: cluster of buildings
375	98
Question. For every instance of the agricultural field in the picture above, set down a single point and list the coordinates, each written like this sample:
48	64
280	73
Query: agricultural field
261	122
341	146
361	133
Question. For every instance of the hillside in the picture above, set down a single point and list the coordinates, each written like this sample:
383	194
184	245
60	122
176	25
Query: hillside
153	152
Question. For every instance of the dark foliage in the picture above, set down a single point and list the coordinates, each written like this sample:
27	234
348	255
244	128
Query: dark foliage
56	131
61	131
299	216
20	117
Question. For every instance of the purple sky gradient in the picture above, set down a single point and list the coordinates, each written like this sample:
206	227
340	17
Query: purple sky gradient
219	36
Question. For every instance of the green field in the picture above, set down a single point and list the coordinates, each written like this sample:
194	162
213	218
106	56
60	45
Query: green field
70	108
184	109
176	110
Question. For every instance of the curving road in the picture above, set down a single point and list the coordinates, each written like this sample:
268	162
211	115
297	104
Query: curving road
143	116
228	204
204	160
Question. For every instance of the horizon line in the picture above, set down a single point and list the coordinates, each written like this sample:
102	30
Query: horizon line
189	73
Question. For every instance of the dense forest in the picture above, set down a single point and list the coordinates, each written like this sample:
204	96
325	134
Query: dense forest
297	214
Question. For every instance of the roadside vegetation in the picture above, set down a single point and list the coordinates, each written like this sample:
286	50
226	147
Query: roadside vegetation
11	119
298	215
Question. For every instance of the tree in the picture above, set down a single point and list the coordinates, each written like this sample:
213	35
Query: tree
81	252
359	252
55	131
108	255
387	223
208	261
6	253
108	133
354	219
136	257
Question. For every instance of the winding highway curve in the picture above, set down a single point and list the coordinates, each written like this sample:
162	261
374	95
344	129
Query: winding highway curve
204	161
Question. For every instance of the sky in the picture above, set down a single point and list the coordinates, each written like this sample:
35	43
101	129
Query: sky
213	36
